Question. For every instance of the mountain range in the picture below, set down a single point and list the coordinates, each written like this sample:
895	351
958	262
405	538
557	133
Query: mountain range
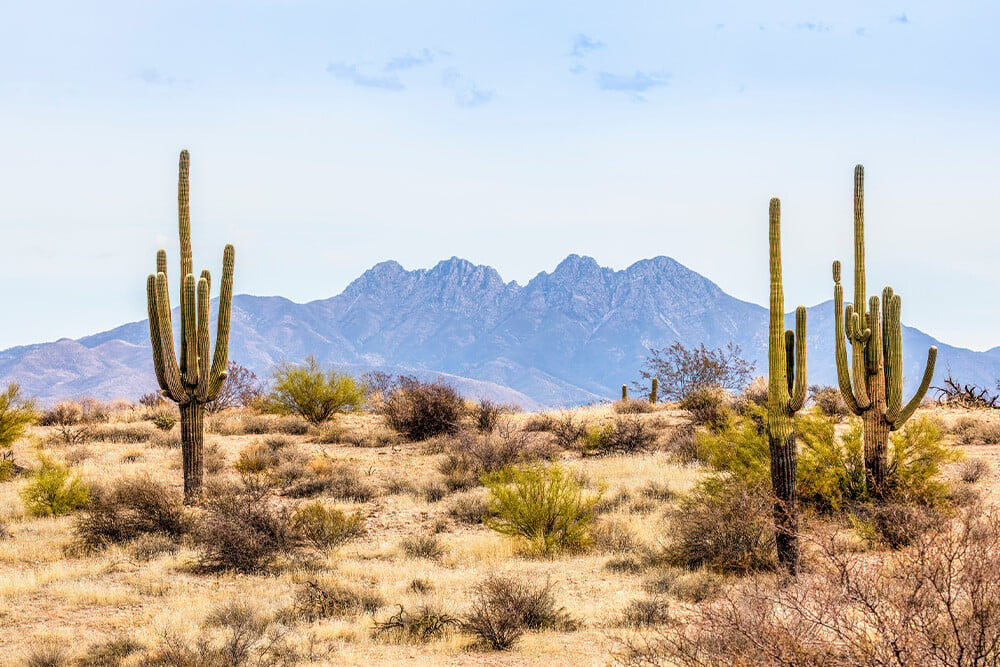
571	336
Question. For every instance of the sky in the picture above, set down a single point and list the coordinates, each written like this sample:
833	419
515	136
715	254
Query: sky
328	136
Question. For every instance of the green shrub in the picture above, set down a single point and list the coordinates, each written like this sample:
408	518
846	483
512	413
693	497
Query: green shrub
420	410
313	394
738	447
724	525
164	421
682	371
917	453
325	527
709	406
16	414
831	472
53	491
544	505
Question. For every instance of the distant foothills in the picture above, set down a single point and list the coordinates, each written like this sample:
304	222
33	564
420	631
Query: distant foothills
569	337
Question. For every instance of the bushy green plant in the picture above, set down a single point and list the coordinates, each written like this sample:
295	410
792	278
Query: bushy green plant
53	491
545	505
738	447
916	455
325	527
831	472
312	393
16	414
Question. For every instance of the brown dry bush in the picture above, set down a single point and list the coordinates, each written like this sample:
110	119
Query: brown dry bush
829	401
976	431
709	406
567	431
73	421
644	612
681	443
427	623
469	456
421	410
973	470
488	414
110	653
423	546
324	528
632	406
503	608
625	435
129	433
937	602
242	531
129	508
319	599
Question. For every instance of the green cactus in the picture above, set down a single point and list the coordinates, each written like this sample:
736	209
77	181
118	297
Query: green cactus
786	393
194	381
653	391
624	393
876	367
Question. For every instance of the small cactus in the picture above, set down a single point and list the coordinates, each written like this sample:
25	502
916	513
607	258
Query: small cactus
653	391
199	376
876	366
624	392
786	394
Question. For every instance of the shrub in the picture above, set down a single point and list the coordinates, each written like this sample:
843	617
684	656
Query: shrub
164	421
645	612
934	603
970	471
427	623
754	393
973	431
538	422
488	414
423	546
122	434
324	528
74	420
546	506
709	406
895	525
129	508
242	532
53	491
831	473
504	607
316	600
469	456
469	507
681	443
830	401
9	469
421	410
916	455
48	653
738	447
632	406
113	652
622	436
16	414
614	536
241	389
724	525
313	394
682	371
567	431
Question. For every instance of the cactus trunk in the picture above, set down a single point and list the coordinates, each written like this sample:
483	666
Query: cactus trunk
624	393
192	448
653	391
786	392
197	377
872	384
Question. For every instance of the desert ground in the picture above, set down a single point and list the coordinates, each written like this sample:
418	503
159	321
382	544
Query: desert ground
421	544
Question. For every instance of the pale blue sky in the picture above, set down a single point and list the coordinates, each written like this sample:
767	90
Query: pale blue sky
326	137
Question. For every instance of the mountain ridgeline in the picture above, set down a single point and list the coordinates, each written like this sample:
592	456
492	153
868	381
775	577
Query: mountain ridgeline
568	337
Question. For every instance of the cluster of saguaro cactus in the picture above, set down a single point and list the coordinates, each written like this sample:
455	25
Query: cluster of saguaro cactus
199	376
872	384
786	393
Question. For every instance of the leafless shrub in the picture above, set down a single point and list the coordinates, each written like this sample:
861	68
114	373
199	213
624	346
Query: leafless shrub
567	430
829	400
241	389
317	599
503	607
976	431
488	413
427	623
423	546
420	410
955	394
123	434
682	371
129	508
681	443
973	470
632	406
644	612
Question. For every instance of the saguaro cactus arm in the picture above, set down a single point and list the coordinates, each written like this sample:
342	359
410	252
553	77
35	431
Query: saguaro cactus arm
856	402
799	387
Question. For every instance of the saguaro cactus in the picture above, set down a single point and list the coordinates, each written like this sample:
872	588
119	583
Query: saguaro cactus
876	368
195	380
786	393
655	387
624	393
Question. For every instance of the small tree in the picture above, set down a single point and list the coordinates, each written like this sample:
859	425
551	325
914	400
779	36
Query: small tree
16	414
313	394
681	370
241	389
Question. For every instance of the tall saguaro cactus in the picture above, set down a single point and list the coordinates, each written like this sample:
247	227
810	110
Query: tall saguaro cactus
197	378
872	384
786	393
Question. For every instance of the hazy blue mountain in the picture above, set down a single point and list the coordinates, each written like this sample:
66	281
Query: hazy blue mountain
571	336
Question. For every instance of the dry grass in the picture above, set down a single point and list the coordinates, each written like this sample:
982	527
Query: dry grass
51	591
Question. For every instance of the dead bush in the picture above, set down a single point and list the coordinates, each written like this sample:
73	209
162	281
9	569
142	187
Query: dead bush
242	531
644	612
113	652
423	546
427	623
724	525
973	470
503	608
829	401
709	406
488	414
129	433
567	431
976	431
317	599
420	410
681	443
632	406
129	508
470	507
625	435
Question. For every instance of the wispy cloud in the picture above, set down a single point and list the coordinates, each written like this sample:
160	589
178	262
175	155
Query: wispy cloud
632	83
410	60
861	31
352	73
582	45
813	27
901	18
467	93
154	77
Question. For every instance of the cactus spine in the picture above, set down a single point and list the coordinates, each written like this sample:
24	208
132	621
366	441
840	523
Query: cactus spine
199	376
653	391
876	367
786	393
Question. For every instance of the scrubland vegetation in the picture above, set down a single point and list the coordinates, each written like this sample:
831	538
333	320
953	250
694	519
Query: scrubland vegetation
412	527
